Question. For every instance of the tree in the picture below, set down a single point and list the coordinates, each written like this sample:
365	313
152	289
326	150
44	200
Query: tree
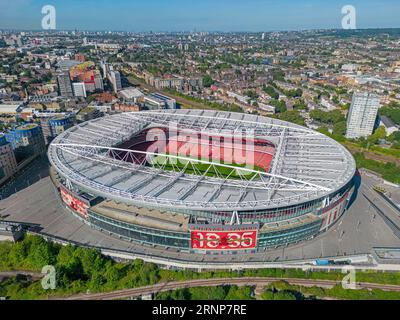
271	92
112	274
329	117
379	134
18	253
69	262
239	293
181	294
208	81
91	260
41	253
96	283
340	128
208	293
267	295
392	111
284	295
280	106
251	94
292	116
394	137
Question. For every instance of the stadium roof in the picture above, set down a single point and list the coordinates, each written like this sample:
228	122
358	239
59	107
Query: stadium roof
306	166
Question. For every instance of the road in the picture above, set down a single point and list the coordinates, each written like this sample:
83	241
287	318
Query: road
32	173
260	282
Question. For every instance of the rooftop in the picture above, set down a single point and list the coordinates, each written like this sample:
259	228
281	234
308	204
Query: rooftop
10	108
27	126
387	122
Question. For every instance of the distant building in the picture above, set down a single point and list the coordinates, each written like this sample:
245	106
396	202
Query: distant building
156	101
132	95
11	232
79	89
115	79
87	114
105	97
326	103
153	103
388	124
266	108
173	82
350	67
238	97
168	101
98	81
9	112
80	57
65	86
53	126
122	107
27	141
65	65
362	115
104	108
8	163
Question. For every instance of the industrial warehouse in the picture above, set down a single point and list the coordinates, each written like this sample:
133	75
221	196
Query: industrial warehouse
296	185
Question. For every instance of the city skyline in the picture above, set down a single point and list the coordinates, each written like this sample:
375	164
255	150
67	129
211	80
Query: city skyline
175	16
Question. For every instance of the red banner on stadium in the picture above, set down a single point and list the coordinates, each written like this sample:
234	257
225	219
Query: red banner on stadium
74	203
224	240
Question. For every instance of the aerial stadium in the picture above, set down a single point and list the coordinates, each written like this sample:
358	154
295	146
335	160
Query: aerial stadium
202	181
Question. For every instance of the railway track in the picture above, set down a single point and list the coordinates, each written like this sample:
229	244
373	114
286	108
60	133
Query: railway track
12	274
168	286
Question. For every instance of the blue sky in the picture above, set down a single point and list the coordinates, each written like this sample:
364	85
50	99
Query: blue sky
207	15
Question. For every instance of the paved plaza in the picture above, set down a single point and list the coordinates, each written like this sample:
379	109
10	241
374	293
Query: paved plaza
361	228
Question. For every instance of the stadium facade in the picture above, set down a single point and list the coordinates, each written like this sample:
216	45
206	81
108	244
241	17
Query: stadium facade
143	177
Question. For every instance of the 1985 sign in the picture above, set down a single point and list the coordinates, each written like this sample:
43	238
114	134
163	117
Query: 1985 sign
224	240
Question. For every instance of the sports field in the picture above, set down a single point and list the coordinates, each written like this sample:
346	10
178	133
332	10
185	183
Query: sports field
197	167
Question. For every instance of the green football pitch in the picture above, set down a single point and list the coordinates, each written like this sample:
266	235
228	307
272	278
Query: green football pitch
195	167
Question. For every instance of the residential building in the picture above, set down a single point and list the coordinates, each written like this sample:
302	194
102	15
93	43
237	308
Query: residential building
115	79
132	95
169	102
53	126
388	124
27	141
79	89
153	103
362	115
87	114
65	86
11	231
98	81
8	163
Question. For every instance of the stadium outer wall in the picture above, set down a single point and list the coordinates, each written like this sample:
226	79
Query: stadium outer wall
85	207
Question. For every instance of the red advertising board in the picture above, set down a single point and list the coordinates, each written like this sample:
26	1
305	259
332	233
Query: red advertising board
224	240
74	203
